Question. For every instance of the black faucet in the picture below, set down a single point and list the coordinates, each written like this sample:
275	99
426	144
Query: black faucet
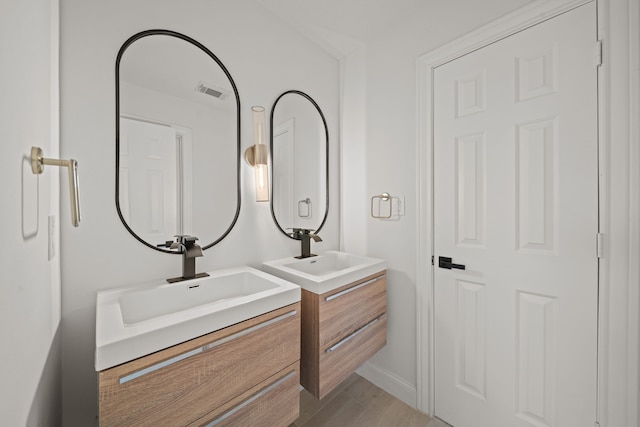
305	237
187	246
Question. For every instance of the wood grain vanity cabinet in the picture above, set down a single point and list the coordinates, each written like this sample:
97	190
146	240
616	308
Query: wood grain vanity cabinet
234	376
341	329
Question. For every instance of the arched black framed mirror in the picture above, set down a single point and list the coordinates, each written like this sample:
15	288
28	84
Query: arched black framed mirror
177	140
299	150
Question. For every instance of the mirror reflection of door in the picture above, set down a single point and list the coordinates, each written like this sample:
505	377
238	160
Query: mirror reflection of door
283	156
155	178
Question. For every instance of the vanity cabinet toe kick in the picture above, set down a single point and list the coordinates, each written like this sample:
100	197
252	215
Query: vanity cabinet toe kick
235	376
341	329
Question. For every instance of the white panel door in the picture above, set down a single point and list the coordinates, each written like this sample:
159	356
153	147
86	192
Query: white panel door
515	201
148	179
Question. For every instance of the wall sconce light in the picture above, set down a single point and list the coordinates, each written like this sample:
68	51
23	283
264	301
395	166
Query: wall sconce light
256	155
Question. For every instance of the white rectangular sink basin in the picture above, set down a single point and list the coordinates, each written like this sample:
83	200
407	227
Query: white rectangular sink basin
325	272
135	321
140	305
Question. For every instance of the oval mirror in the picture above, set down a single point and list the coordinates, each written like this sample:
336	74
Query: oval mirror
177	140
299	159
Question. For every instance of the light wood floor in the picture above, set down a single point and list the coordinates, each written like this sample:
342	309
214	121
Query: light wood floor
358	403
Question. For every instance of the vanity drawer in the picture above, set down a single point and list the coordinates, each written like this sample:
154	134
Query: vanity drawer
274	402
180	384
344	310
341	359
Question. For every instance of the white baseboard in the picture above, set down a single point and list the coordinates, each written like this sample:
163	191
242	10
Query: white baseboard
389	382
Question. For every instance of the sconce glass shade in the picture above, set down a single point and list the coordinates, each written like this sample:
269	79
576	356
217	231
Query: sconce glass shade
258	156
262	183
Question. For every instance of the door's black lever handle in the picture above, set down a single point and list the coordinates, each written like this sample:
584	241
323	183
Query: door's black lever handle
445	262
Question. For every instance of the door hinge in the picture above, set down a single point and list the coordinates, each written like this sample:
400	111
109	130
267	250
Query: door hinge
599	245
598	53
432	257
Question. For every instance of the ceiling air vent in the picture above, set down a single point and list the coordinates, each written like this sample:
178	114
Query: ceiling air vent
216	92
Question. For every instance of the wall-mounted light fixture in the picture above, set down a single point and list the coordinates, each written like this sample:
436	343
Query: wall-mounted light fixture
256	155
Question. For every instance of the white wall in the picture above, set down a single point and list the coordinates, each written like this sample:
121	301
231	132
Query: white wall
264	58
30	372
353	177
391	166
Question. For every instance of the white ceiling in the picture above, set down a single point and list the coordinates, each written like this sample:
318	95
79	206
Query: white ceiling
364	20
361	20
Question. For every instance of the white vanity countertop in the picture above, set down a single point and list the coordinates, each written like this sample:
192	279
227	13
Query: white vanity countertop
138	320
326	271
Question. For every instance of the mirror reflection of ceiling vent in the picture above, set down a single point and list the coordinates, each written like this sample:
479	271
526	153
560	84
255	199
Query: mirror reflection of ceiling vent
216	92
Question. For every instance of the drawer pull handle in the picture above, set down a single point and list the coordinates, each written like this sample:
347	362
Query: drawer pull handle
250	400
346	291
354	334
178	358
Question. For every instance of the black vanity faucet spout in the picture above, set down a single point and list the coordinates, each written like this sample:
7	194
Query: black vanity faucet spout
305	237
187	246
